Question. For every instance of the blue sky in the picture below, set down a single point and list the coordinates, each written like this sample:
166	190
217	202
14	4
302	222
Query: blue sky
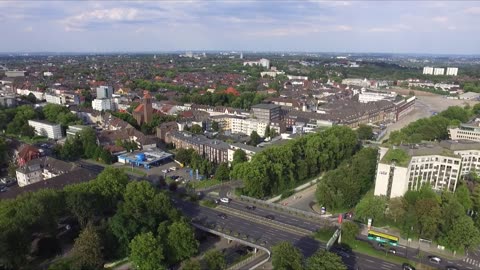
322	26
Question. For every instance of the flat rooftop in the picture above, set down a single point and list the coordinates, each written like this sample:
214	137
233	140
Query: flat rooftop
151	156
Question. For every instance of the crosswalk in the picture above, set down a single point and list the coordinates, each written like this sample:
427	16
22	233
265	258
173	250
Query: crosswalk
472	262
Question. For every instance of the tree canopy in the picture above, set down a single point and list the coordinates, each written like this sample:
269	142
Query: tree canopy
286	257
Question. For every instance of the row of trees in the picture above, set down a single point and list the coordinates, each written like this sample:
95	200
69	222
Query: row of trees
286	256
244	101
117	218
155	86
343	187
425	214
435	127
281	168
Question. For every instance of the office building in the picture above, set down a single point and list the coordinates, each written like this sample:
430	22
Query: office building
470	131
104	92
266	112
47	129
428	70
15	73
103	104
438	71
54	99
248	125
409	167
452	71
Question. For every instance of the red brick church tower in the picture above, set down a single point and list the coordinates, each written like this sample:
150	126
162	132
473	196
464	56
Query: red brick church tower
144	112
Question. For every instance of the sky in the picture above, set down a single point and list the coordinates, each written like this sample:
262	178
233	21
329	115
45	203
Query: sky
435	27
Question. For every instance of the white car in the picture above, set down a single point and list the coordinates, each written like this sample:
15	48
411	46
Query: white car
173	168
225	200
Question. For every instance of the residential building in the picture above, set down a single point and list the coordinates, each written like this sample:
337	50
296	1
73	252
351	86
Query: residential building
262	62
165	128
469	96
438	71
60	100
248	149
40	169
470	131
409	167
428	70
26	153
73	130
370	96
213	150
103	104
15	73
47	74
452	71
44	128
266	112
8	101
104	92
248	125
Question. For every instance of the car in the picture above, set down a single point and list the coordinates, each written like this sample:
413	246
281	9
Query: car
250	207
174	177
165	171
323	210
3	189
225	200
173	168
271	217
451	267
222	216
434	259
407	266
392	250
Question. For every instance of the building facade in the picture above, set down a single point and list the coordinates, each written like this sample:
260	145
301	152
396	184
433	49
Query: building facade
438	71
104	92
441	165
44	128
103	104
428	70
452	71
215	151
266	112
465	132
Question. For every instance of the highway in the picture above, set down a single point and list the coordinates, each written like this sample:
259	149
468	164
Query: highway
268	235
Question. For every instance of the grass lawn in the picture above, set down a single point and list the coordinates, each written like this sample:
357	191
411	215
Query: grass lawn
324	234
205	183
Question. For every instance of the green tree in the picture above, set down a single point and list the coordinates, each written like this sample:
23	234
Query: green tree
286	257
464	234
222	173
146	253
62	264
191	264
325	260
255	139
196	129
396	209
364	132
463	197
239	156
427	212
350	230
181	240
184	155
87	250
215	260
215	126
372	207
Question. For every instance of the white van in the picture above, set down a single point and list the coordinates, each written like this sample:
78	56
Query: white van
225	200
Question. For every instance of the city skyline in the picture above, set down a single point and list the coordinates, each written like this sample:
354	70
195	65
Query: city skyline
317	26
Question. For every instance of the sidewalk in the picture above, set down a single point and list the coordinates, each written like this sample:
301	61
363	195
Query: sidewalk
415	244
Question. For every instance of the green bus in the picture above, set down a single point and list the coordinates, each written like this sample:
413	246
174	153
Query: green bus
383	237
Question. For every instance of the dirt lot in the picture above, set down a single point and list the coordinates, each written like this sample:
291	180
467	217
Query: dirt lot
425	106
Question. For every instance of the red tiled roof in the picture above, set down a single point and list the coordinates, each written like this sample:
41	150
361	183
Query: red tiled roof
231	90
139	108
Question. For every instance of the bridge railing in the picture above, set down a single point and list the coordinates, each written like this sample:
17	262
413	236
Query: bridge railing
241	241
287	209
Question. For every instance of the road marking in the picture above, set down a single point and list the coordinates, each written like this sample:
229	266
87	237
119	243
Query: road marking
368	260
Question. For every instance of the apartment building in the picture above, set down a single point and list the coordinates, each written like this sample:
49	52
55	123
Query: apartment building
438	71
40	169
54	99
213	150
248	125
44	128
428	70
104	92
266	112
452	71
102	104
469	131
248	149
73	130
409	167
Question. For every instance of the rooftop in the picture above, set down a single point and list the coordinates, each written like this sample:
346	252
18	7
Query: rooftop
265	106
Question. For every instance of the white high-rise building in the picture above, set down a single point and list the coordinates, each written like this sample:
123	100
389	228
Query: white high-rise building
439	71
104	92
102	104
428	70
452	71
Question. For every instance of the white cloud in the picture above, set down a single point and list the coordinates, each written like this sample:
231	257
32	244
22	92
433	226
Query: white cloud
440	19
300	30
28	29
392	28
82	20
472	10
